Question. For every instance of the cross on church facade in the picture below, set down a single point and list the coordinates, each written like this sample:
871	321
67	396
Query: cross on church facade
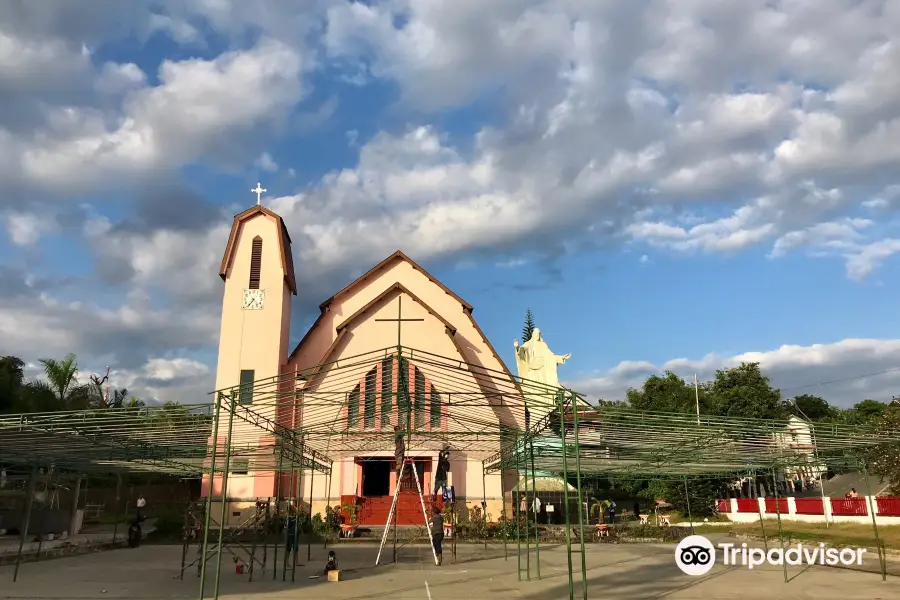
399	320
259	191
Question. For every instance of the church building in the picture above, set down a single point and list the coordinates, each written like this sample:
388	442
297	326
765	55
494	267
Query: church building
259	281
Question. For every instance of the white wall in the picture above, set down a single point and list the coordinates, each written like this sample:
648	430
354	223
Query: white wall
791	514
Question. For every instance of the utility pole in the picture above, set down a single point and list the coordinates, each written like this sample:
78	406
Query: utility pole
697	397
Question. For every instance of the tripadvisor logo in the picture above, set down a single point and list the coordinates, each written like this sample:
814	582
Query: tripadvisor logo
696	555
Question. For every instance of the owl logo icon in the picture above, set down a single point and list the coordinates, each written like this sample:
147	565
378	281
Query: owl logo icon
695	555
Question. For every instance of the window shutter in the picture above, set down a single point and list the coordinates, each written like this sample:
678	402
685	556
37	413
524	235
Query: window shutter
255	263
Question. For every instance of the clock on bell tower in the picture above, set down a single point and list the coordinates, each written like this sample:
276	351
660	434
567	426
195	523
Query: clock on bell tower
258	272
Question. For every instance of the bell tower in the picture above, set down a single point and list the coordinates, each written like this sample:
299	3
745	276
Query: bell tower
258	272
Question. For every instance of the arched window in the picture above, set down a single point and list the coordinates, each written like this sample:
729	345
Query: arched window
422	399
255	263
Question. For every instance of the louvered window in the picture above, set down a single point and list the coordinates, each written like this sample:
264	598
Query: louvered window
387	390
435	408
255	263
370	400
420	399
403	391
245	392
353	408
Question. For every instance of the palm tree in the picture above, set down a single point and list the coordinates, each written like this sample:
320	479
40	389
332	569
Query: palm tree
599	507
62	380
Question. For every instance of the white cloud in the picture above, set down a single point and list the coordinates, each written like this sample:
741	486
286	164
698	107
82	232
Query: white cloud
200	109
266	163
183	380
696	127
25	229
838	372
33	64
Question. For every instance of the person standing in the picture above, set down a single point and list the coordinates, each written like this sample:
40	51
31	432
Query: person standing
443	470
436	527
141	506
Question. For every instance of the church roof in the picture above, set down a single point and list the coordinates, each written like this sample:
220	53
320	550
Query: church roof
387	262
284	243
398	255
396	288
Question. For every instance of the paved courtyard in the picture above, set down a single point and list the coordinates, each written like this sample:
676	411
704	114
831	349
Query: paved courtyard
623	571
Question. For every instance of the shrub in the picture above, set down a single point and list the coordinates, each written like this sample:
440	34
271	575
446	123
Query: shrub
170	524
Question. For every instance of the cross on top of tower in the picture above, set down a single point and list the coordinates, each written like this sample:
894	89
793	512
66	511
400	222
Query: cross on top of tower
259	191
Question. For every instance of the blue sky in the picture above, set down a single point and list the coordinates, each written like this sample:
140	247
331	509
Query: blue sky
660	191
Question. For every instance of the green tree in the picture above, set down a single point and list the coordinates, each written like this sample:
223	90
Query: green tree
811	407
528	329
61	379
866	411
700	497
12	379
745	392
884	460
668	393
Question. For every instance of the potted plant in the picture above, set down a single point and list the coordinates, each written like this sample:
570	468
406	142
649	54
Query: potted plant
599	508
449	525
349	512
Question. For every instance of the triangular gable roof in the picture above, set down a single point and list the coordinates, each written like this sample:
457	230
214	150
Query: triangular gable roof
398	256
284	243
395	289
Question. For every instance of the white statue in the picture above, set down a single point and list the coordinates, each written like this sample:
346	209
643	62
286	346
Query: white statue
536	362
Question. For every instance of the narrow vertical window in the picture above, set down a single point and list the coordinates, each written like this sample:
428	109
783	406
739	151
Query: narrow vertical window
403	391
255	263
420	399
245	392
353	408
435	408
387	390
370	399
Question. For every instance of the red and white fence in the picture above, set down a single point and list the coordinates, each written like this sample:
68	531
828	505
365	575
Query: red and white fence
833	510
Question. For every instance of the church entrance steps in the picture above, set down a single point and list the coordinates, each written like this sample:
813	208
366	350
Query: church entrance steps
405	533
374	511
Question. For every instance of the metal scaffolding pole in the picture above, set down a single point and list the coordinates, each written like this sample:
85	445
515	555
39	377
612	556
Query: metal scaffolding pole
278	479
295	549
223	515
575	427
118	507
561	407
503	498
762	525
527	510
780	530
687	499
312	479
537	533
29	503
327	508
209	493
484	501
882	559
517	509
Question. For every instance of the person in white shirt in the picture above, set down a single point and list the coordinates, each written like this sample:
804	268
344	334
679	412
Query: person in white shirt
141	504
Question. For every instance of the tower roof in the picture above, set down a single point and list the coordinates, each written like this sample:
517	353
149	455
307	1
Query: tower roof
284	244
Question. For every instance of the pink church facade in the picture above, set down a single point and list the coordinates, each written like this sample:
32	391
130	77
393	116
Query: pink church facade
351	323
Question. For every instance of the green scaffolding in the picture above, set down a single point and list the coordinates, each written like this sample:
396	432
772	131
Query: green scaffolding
304	420
580	440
